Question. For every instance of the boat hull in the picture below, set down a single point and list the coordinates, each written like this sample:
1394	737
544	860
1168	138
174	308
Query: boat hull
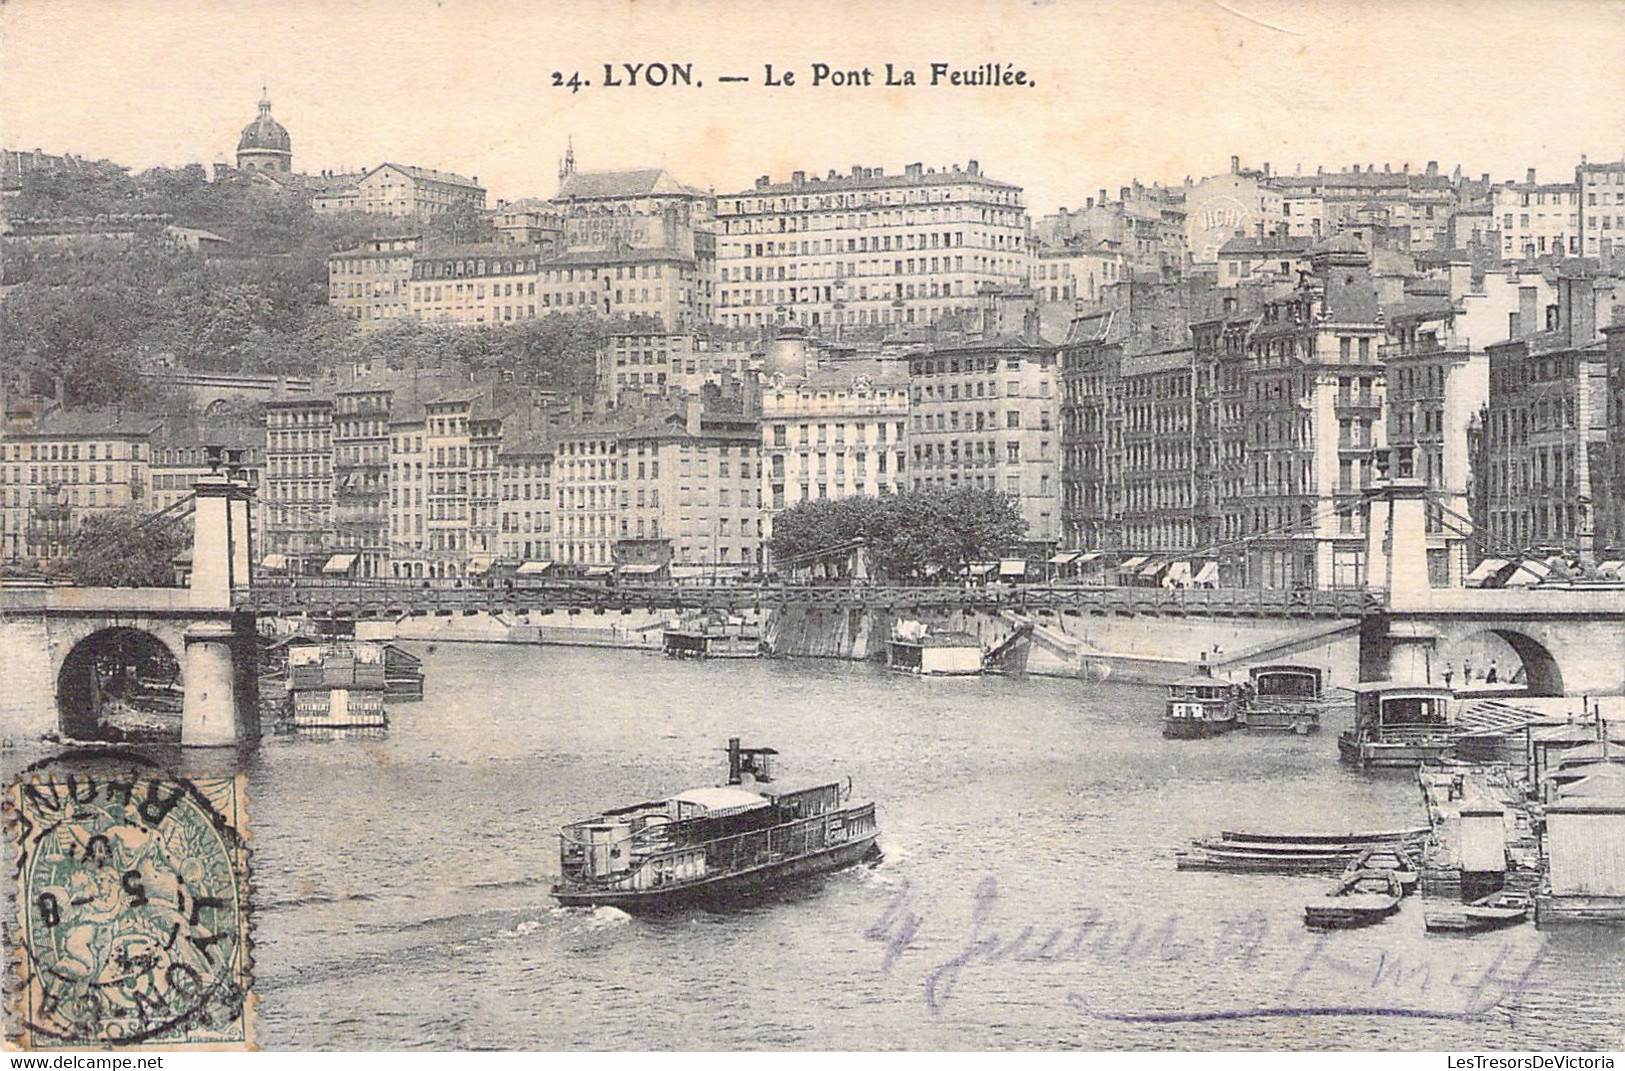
1195	728
1347	916
1385	754
721	888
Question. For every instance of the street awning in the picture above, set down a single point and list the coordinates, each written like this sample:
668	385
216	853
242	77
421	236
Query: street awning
1207	574
1610	569
641	569
1528	573
1089	557
1134	562
1179	573
600	570
533	568
1484	571
1153	569
339	564
982	568
1013	567
1066	557
479	565
274	562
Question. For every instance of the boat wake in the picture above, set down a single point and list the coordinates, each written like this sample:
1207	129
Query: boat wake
594	918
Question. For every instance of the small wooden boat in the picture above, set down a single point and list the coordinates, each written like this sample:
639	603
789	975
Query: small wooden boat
1393	858
1292	853
1201	705
1360	898
1490	913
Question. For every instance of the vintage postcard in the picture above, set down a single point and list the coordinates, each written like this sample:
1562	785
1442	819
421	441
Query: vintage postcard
719	525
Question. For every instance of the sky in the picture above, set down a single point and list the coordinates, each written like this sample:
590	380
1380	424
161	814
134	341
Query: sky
1155	90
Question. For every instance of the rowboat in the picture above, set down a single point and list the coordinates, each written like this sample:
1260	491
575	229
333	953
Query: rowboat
1390	857
1490	913
1359	898
1291	853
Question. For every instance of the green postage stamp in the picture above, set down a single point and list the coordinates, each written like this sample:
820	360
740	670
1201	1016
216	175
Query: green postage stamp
132	911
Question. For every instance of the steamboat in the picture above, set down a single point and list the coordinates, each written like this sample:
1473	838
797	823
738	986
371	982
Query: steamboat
712	845
1201	705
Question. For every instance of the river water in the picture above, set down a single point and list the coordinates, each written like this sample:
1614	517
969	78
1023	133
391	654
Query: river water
1027	899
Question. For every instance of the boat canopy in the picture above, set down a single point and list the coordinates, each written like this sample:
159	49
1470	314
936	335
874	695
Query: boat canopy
339	564
1298	682
1528	573
715	802
1485	571
533	568
1013	567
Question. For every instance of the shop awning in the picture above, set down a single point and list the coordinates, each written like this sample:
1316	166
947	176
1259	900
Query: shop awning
1207	574
1610	569
600	570
982	568
641	569
1066	557
339	564
1089	557
1484	571
479	565
1179	573
275	562
533	568
1153	568
1013	567
1134	562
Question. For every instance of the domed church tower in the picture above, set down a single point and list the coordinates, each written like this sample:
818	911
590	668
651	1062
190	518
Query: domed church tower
265	145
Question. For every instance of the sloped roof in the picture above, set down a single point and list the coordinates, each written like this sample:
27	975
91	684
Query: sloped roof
1239	246
427	174
635	182
89	423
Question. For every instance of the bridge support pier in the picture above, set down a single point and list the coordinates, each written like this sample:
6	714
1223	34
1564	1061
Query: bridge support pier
219	707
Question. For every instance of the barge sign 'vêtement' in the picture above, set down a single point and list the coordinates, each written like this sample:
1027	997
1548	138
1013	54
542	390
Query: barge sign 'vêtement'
708	845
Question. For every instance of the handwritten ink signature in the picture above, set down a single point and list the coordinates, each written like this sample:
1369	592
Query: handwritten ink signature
1238	944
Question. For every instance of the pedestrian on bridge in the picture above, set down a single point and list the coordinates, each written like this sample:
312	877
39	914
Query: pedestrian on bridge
1449	673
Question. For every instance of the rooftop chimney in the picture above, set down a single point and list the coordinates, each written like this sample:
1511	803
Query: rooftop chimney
798	178
1103	197
974	168
1433	167
1530	176
1235	165
1266	169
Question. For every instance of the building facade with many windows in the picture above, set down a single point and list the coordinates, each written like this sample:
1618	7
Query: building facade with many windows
298	487
867	247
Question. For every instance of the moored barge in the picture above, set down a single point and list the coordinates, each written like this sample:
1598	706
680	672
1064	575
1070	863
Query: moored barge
1284	698
915	647
1398	724
711	845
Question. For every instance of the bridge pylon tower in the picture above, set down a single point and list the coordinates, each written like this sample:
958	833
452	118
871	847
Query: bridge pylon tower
220	707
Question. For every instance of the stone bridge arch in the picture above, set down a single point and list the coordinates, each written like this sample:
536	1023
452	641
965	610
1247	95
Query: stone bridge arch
109	664
1542	670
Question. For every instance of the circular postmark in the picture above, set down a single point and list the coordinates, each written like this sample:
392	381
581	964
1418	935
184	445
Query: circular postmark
132	905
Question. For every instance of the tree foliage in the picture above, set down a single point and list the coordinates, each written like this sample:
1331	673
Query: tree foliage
123	549
905	532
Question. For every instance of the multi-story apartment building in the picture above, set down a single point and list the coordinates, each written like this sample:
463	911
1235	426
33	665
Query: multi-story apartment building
526	499
986	414
476	284
664	283
1612	517
867	248
1537	218
1600	192
834	432
401	190
694	480
1076	270
1238	204
1273	258
298	488
655	362
364	461
586	481
1147	225
462	447
1171	445
1544	468
63	468
1320	205
371	283
1314	385
531	222
408	482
